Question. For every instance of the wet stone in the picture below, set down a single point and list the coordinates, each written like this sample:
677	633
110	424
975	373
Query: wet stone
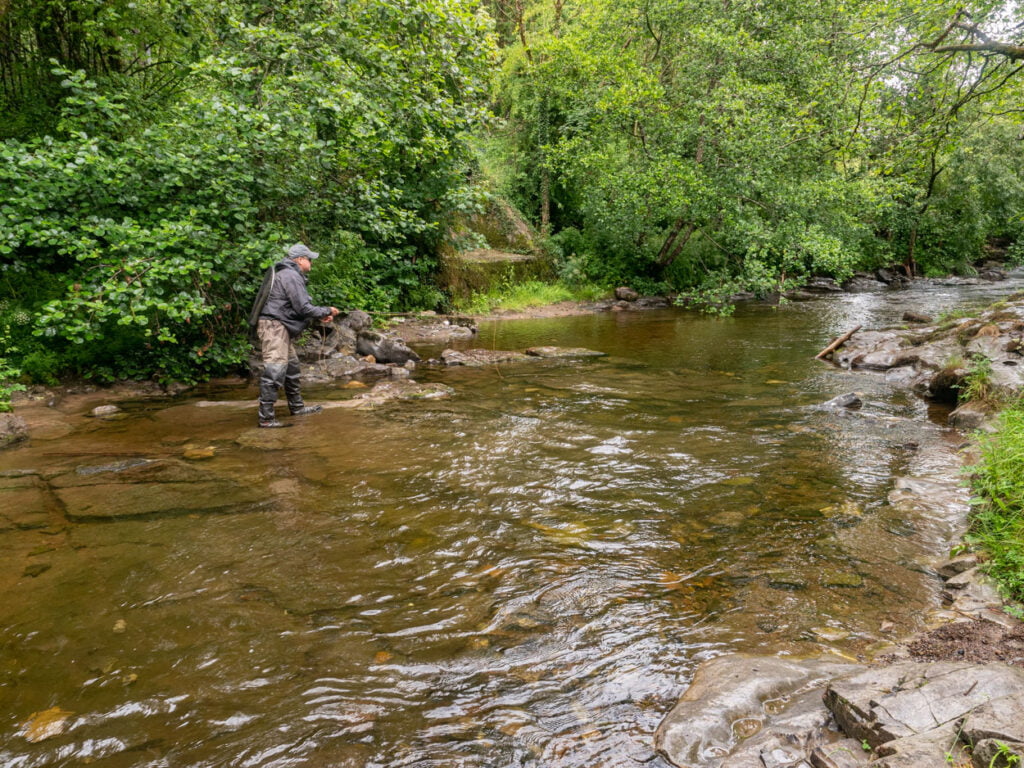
830	634
25	503
36	569
482	357
557	352
124	500
194	453
957	565
841	579
787	580
131	471
847	753
849	400
13	429
729	690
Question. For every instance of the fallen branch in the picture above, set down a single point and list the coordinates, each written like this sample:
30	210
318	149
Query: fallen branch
837	343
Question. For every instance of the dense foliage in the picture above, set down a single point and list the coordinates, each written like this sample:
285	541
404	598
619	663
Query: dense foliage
740	144
998	520
140	210
156	156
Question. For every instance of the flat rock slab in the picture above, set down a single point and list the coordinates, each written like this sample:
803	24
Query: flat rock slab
732	697
906	700
24	503
557	352
119	500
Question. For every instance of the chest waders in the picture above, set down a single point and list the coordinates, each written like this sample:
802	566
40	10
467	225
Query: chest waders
277	374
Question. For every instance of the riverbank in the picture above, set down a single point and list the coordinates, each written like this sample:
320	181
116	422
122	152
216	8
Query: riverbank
951	694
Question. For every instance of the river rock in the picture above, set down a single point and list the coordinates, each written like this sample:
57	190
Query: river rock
737	695
970	416
385	391
652	302
891	277
13	429
356	320
916	317
384	349
957	565
347	366
849	400
863	284
329	340
118	500
25	503
481	357
624	293
820	284
563	352
1001	718
907	700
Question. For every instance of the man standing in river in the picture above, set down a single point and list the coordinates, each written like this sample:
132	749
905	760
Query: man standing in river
282	310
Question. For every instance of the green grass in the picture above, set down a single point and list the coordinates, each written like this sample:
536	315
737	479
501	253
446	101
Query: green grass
997	523
520	296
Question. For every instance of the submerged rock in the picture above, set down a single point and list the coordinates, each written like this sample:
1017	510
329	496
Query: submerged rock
849	400
481	357
13	429
105	410
563	352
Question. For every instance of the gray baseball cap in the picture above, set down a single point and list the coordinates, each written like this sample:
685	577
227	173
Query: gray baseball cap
299	251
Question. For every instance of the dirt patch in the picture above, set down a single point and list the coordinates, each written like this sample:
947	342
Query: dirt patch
974	641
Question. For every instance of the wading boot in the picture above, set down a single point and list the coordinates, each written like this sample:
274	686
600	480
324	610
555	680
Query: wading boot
270	380
291	390
267	419
298	408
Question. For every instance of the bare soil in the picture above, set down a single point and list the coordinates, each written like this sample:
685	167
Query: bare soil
974	641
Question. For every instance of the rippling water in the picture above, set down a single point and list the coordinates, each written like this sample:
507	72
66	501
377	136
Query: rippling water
523	575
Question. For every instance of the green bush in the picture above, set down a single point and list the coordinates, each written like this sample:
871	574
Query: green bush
998	484
150	221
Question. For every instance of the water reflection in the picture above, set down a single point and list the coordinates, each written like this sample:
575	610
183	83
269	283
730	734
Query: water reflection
523	575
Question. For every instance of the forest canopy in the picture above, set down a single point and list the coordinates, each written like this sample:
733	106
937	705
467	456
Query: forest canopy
155	157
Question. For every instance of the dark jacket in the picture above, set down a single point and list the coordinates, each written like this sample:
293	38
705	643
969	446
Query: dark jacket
288	300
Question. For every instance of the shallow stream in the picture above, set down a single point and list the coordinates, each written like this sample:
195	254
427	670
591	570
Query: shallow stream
525	574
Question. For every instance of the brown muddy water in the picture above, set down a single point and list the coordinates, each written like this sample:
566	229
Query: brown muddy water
525	574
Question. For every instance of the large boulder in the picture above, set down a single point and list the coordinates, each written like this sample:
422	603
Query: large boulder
384	349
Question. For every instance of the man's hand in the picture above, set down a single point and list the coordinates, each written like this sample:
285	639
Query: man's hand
328	318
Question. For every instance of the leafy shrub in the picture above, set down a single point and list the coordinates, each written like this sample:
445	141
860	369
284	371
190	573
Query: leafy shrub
998	484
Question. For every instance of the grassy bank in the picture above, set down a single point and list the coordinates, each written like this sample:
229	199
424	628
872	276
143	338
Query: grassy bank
997	523
531	293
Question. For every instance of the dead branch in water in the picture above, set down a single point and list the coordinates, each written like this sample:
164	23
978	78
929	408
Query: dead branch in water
837	343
